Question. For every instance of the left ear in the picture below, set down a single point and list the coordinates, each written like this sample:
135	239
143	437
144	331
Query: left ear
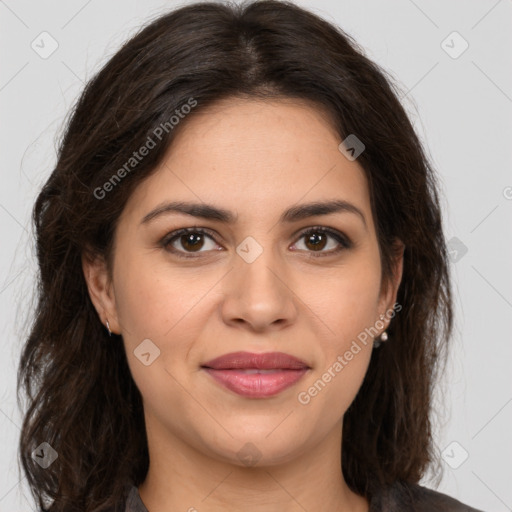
389	290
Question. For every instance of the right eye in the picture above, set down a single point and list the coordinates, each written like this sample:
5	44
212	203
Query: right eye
192	240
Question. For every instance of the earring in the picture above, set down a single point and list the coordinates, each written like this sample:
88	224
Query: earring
108	327
383	337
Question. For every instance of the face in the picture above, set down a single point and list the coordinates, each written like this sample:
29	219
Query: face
262	281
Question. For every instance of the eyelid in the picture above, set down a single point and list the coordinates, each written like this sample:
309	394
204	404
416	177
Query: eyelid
343	240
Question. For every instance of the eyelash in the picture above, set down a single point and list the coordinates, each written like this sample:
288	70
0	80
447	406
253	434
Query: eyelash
344	242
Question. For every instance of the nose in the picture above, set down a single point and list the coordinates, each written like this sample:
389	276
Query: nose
259	295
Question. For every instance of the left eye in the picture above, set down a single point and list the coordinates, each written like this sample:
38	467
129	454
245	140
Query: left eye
316	238
193	240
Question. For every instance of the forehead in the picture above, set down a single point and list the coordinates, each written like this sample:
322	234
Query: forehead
255	156
247	128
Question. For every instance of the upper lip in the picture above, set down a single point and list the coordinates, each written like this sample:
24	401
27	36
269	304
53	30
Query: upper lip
248	360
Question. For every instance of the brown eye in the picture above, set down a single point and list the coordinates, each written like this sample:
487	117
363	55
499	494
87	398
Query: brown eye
317	239
191	241
188	241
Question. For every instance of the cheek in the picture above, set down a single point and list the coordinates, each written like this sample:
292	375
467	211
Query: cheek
169	308
342	363
162	308
348	308
154	300
326	398
347	302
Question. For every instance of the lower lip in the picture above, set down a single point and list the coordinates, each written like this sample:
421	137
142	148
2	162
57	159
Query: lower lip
256	385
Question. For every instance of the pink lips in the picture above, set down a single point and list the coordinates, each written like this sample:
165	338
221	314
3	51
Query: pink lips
256	375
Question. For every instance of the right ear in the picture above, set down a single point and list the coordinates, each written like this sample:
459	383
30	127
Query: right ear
101	290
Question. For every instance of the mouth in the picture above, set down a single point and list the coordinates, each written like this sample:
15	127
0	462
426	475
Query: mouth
256	375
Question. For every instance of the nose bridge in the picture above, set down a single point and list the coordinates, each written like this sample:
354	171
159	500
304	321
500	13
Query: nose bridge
259	265
258	290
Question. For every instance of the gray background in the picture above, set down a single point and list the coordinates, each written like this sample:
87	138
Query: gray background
461	107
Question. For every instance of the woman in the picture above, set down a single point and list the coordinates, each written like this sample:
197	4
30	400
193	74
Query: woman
244	296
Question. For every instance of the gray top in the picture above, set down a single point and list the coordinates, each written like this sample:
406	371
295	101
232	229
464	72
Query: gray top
401	497
133	501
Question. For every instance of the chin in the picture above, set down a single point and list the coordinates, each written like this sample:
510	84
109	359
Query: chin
255	447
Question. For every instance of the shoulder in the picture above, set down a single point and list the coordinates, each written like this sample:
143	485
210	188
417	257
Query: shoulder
416	498
428	499
130	502
133	501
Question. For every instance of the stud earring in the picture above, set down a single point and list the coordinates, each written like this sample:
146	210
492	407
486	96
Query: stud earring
108	327
383	337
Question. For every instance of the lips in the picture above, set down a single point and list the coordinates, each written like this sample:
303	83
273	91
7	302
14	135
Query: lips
249	360
256	375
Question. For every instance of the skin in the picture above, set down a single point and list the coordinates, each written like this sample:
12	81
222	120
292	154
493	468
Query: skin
255	158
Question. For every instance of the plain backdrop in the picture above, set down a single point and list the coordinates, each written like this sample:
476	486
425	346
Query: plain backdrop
453	61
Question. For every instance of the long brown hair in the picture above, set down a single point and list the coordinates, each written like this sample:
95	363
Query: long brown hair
81	398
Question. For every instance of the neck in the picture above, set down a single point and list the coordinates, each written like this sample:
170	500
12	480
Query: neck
180	477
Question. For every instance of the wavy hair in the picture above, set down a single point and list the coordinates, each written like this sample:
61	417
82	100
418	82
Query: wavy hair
80	395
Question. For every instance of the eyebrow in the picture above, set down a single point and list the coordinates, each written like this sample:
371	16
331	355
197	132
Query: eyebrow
292	214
